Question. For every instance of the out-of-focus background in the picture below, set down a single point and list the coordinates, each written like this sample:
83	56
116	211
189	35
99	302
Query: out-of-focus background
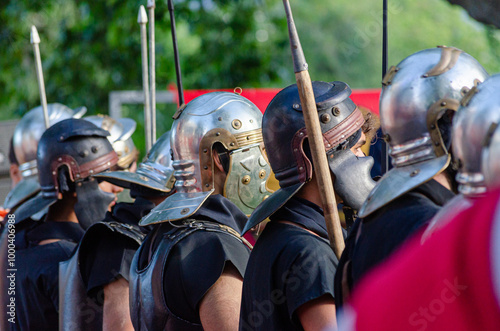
90	48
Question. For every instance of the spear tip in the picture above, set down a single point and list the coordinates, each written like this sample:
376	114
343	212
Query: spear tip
34	37
151	4
143	17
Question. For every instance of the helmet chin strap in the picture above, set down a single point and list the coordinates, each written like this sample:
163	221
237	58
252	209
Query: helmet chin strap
92	203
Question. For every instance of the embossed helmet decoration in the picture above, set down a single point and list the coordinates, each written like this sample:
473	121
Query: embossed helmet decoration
417	103
285	135
120	137
230	124
69	152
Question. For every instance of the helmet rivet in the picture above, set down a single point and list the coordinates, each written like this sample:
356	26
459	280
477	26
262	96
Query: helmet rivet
296	106
236	124
205	167
207	185
220	119
53	173
78	175
79	184
109	163
414	173
217	134
205	150
325	118
425	75
301	133
342	136
331	156
184	211
328	145
73	163
301	168
246	179
433	126
91	171
83	153
443	103
295	150
251	121
336	111
248	137
94	149
262	173
231	144
61	138
59	159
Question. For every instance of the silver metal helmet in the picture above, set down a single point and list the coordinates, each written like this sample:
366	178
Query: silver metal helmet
491	155
25	142
156	173
480	107
415	105
120	137
215	120
31	127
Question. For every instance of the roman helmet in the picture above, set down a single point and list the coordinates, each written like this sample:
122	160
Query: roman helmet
69	153
480	108
285	139
418	99
231	125
25	142
120	137
154	176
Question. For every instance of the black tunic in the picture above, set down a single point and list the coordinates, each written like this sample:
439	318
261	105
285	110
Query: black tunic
37	292
384	231
288	267
174	268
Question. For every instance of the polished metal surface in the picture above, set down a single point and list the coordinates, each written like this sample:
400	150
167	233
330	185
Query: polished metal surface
120	132
421	89
218	117
31	127
155	172
470	126
490	160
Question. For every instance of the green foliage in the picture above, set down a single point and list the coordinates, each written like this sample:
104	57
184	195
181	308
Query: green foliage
90	48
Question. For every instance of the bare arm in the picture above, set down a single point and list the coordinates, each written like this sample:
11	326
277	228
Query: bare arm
220	307
318	314
116	311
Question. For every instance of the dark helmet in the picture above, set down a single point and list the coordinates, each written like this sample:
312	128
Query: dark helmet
284	133
69	152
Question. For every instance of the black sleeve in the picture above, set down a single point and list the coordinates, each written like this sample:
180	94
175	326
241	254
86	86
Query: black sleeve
194	265
105	255
310	275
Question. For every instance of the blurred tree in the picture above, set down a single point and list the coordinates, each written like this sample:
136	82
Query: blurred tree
90	48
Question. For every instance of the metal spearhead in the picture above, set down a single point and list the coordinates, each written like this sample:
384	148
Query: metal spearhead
142	19
151	5
35	41
315	135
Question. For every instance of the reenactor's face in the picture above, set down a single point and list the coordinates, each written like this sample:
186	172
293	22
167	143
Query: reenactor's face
356	149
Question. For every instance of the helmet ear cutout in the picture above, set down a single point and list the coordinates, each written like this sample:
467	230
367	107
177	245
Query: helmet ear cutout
434	114
64	181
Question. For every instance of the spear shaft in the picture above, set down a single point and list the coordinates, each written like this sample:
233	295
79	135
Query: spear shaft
176	53
315	136
142	20
152	67
35	41
385	147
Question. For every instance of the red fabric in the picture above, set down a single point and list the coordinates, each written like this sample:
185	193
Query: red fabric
444	284
261	97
